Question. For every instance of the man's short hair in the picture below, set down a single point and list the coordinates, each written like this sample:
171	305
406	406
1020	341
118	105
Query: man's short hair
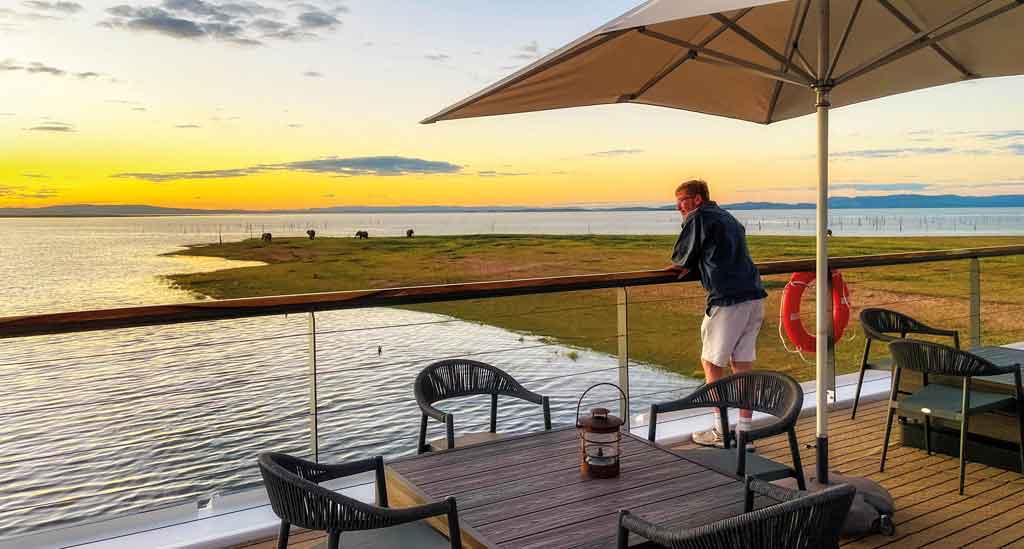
695	187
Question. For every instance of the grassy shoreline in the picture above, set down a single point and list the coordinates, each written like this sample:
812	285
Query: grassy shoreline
664	320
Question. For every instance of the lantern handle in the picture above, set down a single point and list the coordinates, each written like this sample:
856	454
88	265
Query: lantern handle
580	403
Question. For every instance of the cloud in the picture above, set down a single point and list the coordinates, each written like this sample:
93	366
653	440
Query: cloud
335	166
6	114
1016	148
243	23
9	191
891	153
187	126
58	127
140	109
615	152
1001	135
35	175
294	125
492	173
64	7
878	186
437	56
35	67
313	74
528	51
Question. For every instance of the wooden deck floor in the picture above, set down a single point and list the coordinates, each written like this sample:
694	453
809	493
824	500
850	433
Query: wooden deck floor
930	512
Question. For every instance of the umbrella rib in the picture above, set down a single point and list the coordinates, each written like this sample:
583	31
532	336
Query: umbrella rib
707	55
938	49
678	62
757	42
846	36
921	40
795	28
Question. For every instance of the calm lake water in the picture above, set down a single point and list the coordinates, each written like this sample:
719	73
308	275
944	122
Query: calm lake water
107	423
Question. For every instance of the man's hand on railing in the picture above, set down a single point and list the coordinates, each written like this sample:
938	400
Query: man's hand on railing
680	272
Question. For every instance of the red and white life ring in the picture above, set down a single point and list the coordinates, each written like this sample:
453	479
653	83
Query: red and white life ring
790	314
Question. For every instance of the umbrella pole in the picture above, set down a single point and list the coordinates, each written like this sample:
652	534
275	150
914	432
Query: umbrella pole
823	299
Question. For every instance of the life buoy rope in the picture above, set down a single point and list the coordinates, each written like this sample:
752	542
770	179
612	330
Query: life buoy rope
789	315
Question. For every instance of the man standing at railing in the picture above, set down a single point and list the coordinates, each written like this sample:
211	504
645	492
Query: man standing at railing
713	244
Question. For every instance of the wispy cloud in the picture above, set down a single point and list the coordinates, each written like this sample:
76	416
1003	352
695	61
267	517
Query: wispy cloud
35	67
437	56
528	51
492	173
1016	148
34	175
22	192
878	187
334	166
1001	135
63	7
615	152
244	23
891	153
187	126
294	125
58	127
313	74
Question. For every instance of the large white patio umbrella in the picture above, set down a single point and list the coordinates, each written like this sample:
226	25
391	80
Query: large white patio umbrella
766	61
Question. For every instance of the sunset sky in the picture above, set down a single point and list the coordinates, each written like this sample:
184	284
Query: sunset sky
314	103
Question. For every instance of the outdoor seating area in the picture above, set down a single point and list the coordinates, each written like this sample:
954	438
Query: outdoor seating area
930	511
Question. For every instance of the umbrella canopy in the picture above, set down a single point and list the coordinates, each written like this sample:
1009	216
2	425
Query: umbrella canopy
765	61
755	60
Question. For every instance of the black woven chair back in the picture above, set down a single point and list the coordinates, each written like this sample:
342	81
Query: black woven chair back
297	499
773	393
934	358
460	377
812	521
886	325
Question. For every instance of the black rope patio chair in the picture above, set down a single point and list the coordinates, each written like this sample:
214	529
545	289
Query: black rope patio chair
949	403
298	499
800	521
885	326
773	393
461	377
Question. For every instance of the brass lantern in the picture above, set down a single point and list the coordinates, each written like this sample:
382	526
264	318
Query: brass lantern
600	440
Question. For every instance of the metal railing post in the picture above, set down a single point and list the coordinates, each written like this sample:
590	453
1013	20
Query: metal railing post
975	302
313	434
622	307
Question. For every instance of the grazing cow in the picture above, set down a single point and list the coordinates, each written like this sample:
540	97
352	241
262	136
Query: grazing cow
409	233
267	237
311	233
362	234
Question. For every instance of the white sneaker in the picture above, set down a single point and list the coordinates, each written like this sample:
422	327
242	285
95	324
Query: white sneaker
711	437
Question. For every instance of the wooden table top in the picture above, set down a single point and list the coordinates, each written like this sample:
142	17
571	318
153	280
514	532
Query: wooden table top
1000	356
527	491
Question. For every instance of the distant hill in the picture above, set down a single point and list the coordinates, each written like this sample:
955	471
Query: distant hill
865	202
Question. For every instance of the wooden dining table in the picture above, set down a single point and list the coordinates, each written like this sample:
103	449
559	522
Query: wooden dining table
527	491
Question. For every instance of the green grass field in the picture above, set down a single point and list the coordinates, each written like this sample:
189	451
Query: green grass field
664	320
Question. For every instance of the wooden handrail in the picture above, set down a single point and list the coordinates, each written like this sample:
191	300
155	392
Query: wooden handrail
153	315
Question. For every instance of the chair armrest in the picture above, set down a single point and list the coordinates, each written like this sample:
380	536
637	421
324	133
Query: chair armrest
773	491
325	472
1000	370
646	529
432	412
409	514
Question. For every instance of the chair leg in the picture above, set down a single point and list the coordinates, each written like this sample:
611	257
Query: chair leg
454	531
963	450
1020	429
798	467
282	535
928	434
422	446
856	394
333	540
885	443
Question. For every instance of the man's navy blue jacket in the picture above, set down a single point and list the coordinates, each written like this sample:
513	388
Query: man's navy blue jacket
714	244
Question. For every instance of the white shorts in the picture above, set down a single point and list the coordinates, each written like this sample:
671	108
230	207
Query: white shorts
730	332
